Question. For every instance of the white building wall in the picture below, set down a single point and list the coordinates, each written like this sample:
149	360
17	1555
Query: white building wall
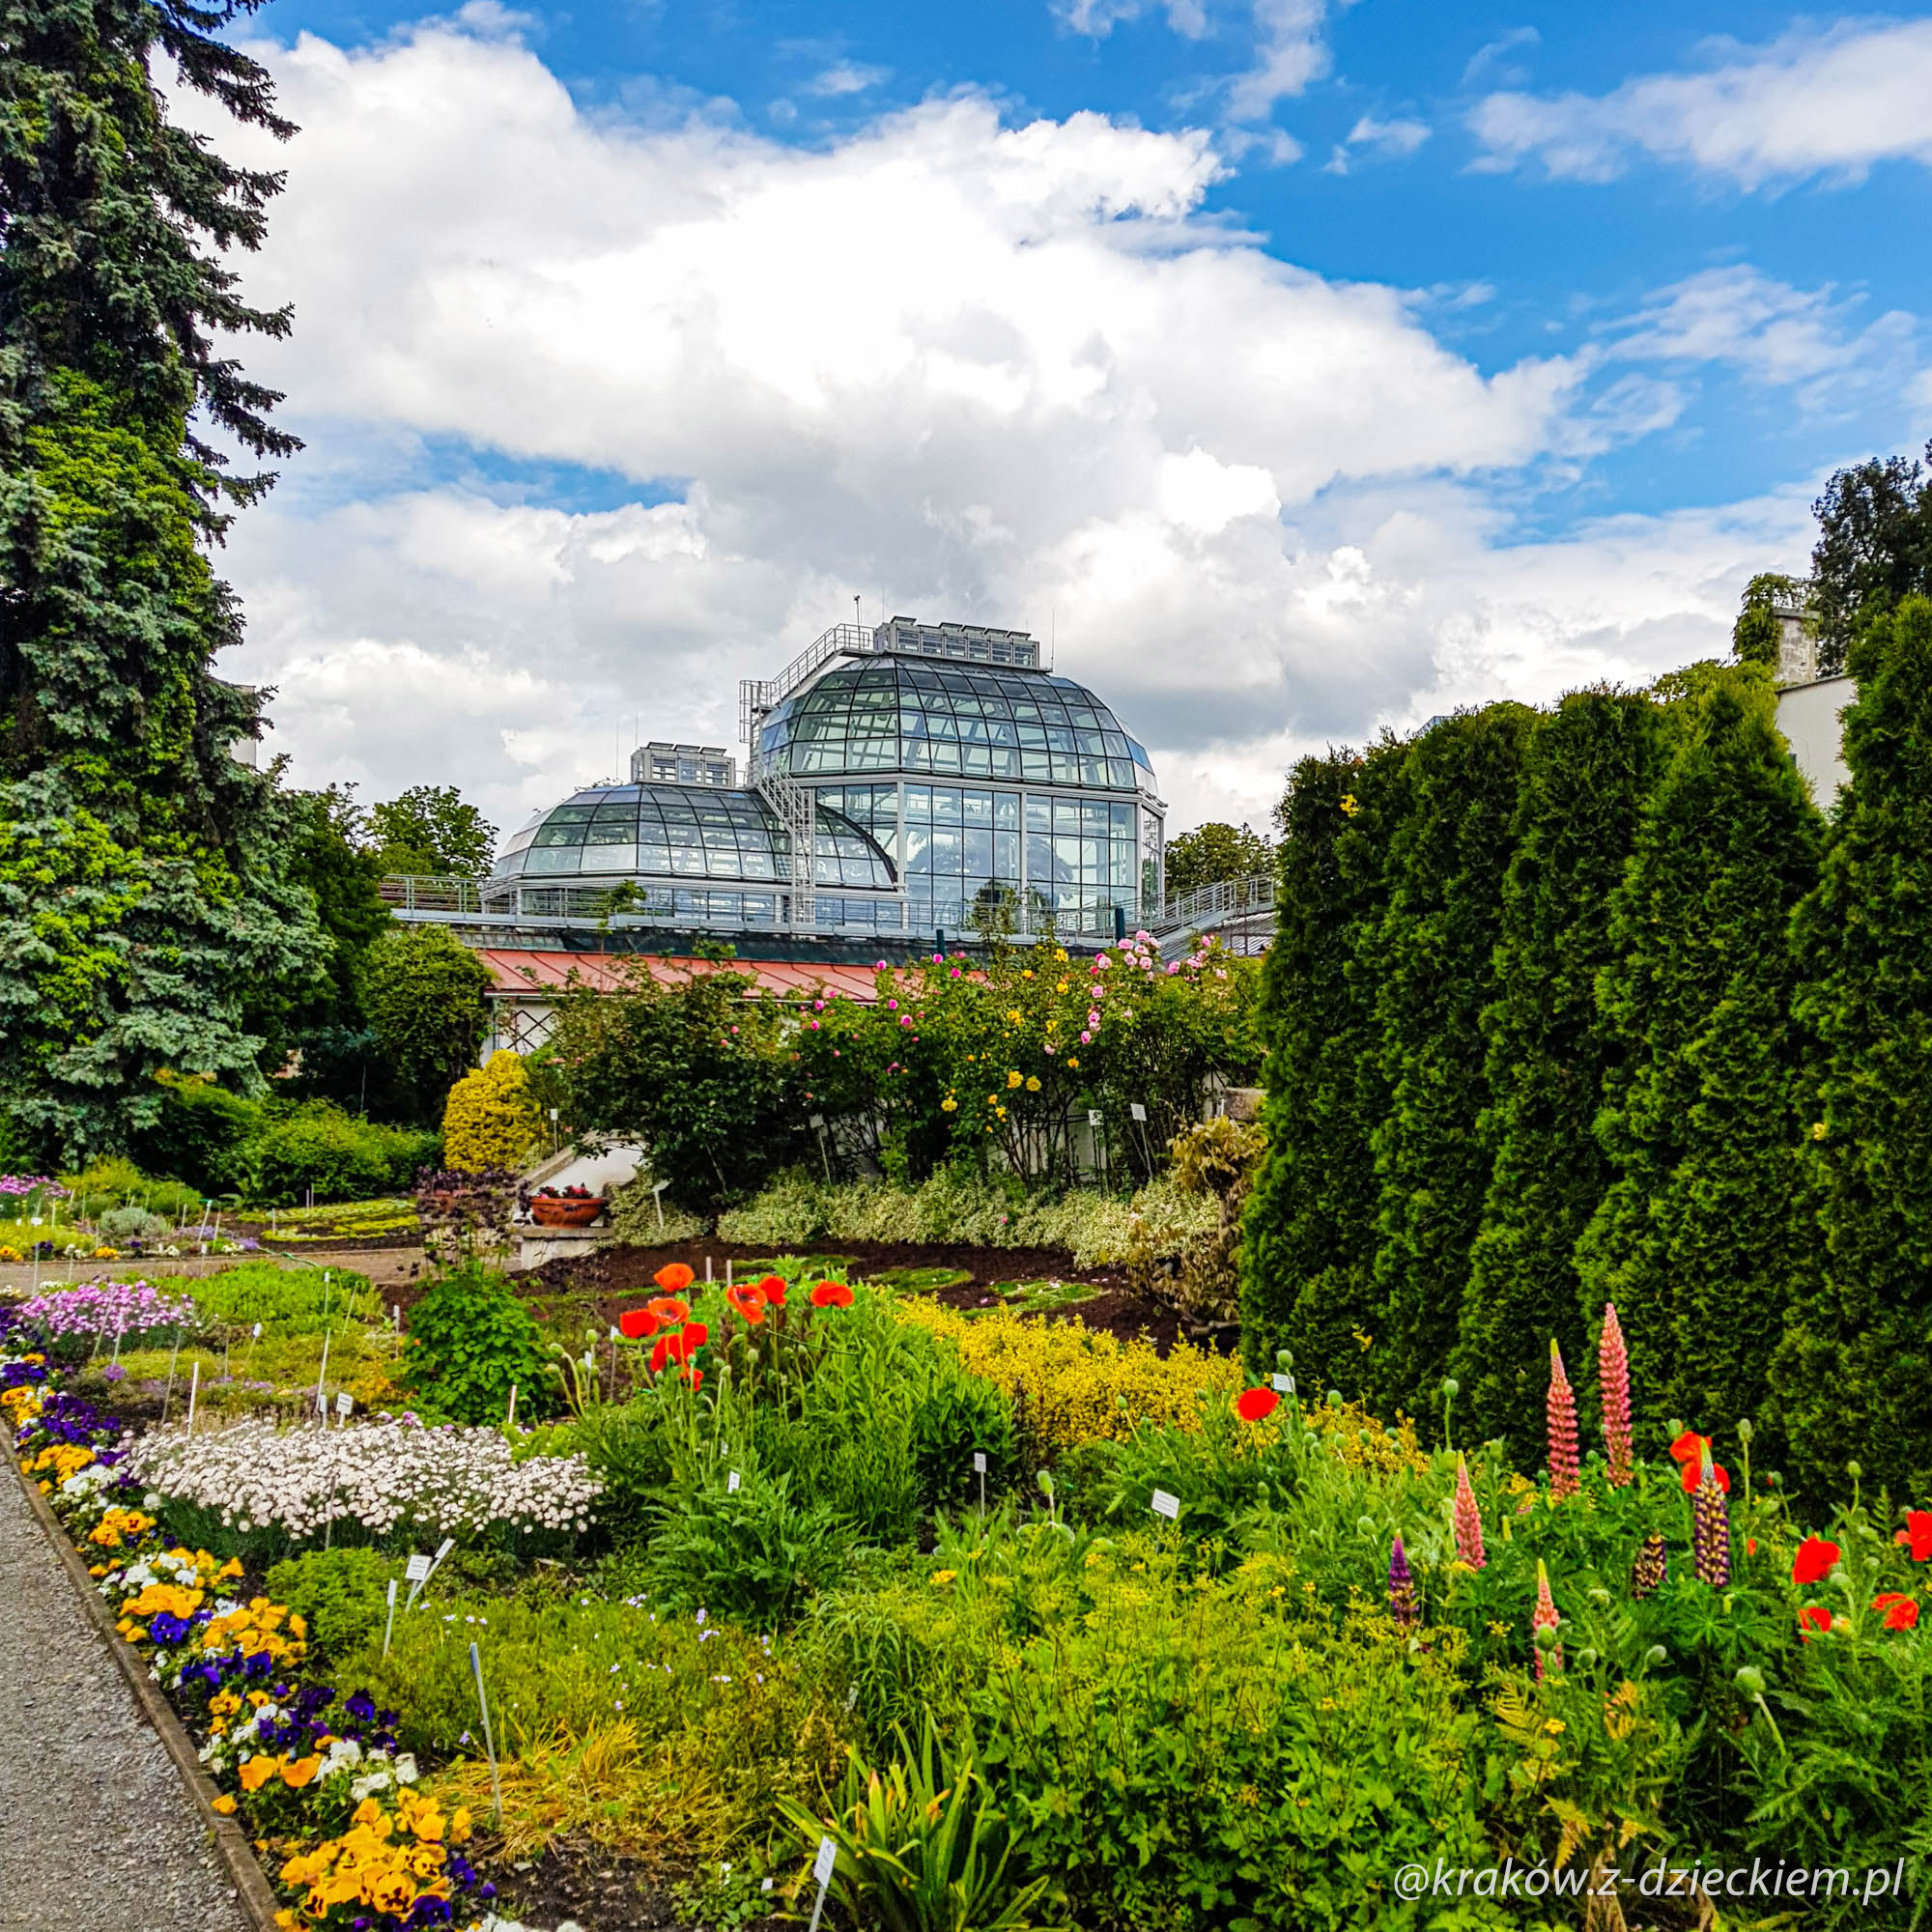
1809	717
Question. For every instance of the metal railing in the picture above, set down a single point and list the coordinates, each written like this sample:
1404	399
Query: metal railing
429	893
799	810
1254	894
758	697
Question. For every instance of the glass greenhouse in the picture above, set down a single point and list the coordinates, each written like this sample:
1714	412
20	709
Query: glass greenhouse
941	770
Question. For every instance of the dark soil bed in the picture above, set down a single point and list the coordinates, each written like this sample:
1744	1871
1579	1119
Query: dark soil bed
596	1889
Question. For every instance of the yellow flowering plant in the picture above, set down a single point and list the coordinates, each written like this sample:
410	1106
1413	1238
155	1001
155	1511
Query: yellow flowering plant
376	1873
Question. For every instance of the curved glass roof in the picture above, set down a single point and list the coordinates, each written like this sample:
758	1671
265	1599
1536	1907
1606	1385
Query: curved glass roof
685	832
896	714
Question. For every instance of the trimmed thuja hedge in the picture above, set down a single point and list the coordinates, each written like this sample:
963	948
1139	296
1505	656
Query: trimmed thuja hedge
1594	1005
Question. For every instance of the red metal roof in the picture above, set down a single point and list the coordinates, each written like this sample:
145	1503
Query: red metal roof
515	971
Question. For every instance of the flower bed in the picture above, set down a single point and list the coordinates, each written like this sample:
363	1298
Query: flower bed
1110	1640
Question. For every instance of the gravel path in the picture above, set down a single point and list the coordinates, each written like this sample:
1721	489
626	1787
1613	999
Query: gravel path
96	1830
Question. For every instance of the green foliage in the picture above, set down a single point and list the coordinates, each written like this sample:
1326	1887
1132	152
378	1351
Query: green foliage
469	1338
1856	1372
700	1071
106	1185
314	1146
1213	852
1308	1232
203	1134
1434	966
341	1593
1696	1239
423	992
976	1068
291	1300
924	1845
1756	636
430	829
1874	549
755	1552
490	1118
1590	765
147	918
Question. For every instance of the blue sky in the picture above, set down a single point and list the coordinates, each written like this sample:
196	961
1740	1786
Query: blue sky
1302	368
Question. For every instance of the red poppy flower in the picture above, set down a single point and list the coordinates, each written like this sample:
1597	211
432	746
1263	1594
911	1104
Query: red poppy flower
696	1335
1902	1613
1688	1448
667	1308
673	1277
1917	1534
664	1352
635	1323
694	1376
1814	1560
1254	1404
750	1302
831	1295
1812	1617
772	1289
1694	1474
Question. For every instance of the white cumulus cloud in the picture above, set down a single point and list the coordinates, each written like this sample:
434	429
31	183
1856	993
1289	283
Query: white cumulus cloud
963	369
1831	104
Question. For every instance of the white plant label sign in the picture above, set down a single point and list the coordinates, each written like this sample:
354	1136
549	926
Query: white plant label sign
822	1864
979	1461
344	1402
1138	1112
416	1570
1284	1384
1164	1504
731	1482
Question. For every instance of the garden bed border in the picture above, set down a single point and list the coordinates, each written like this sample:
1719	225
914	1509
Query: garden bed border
252	1890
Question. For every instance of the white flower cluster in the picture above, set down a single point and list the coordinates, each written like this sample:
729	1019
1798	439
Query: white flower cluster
389	1476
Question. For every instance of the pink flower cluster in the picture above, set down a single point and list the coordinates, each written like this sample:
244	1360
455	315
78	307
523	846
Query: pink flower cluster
108	1308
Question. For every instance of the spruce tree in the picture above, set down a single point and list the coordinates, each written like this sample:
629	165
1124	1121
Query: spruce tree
1434	961
145	916
1308	1230
1854	1373
1696	1239
1590	766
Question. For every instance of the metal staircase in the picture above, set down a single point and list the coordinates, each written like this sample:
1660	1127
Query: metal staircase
797	807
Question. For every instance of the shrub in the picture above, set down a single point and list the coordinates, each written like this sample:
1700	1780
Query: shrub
1185	1236
755	1552
490	1118
203	1134
316	1146
1073	1384
423	992
341	1593
113	1183
469	1339
634	1217
132	1224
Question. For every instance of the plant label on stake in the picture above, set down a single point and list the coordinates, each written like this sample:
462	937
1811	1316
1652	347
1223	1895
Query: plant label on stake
979	1471
1137	1112
322	1375
344	1402
489	1743
510	1419
193	1389
821	1869
390	1625
1284	1384
731	1483
1164	1504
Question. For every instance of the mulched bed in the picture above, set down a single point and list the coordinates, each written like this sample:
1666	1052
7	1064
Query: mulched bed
592	1885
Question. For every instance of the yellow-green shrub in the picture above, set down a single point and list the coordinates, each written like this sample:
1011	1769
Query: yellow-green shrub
490	1119
1074	1378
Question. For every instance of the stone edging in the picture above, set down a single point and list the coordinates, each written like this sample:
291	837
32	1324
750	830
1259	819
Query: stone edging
251	1885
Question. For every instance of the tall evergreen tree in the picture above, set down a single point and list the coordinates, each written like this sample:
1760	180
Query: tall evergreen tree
143	902
1308	1233
1590	766
1854	1373
1696	1239
1434	966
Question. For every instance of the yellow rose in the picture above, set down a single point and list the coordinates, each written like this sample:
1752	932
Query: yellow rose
1014	1080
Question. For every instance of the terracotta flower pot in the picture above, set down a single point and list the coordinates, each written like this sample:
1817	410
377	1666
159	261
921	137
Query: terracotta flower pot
560	1211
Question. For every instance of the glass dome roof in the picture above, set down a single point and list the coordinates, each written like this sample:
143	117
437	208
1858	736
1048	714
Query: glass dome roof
685	832
897	714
